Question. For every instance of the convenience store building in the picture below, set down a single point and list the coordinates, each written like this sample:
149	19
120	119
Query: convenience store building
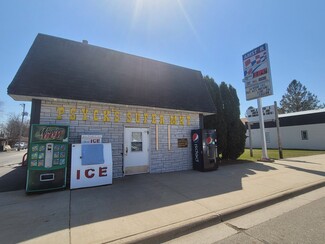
145	108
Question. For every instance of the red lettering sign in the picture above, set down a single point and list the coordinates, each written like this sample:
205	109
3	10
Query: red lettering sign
260	72
102	171
89	175
54	133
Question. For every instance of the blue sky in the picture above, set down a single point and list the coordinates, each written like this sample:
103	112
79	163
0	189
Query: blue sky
206	35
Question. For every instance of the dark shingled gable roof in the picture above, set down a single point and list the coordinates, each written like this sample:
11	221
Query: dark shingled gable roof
60	68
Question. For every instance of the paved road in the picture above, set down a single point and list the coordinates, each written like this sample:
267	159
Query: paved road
12	174
303	225
298	220
156	207
11	157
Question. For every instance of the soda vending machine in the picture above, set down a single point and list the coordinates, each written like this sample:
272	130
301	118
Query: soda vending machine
204	150
47	158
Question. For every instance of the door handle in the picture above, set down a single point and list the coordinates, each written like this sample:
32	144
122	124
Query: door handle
126	151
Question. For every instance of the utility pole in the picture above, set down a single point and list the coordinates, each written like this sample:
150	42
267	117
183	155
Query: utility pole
277	121
21	125
250	139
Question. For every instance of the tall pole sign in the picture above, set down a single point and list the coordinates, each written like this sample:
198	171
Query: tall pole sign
258	83
257	73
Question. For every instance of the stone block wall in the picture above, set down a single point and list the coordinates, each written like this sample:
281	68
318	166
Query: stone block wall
110	120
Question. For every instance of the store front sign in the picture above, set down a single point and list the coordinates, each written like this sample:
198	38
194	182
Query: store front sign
115	116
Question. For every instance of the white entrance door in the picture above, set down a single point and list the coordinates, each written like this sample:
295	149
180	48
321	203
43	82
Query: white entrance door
136	150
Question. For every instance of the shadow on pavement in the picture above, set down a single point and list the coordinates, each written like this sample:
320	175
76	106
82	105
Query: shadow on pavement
316	172
139	193
298	161
37	215
13	178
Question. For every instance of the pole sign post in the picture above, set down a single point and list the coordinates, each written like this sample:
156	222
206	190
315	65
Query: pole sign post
257	73
258	83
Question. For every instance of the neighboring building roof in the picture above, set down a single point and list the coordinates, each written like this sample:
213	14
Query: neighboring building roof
302	113
297	118
60	68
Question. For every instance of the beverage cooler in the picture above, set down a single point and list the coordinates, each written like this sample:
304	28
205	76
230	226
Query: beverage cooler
47	158
204	150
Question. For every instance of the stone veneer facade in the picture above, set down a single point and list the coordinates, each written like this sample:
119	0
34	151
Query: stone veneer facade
110	120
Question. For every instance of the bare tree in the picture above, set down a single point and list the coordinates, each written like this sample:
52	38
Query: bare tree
12	129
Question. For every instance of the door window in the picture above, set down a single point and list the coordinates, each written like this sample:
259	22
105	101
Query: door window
136	142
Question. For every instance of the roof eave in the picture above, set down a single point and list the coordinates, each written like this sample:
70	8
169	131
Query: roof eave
30	98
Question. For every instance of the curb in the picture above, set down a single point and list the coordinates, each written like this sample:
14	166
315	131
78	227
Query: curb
270	200
175	230
12	164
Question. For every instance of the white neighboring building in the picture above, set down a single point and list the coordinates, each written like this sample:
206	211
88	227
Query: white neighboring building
299	130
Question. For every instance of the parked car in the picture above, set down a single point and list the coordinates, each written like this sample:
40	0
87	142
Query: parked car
7	148
23	145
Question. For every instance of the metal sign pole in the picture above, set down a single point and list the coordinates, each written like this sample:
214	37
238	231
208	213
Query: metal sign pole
260	112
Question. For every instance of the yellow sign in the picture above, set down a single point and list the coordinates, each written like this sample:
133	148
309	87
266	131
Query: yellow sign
130	117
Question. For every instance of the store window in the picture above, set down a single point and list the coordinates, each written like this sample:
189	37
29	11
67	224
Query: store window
136	143
304	135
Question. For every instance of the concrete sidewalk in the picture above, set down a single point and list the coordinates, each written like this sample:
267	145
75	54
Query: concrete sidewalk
154	207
